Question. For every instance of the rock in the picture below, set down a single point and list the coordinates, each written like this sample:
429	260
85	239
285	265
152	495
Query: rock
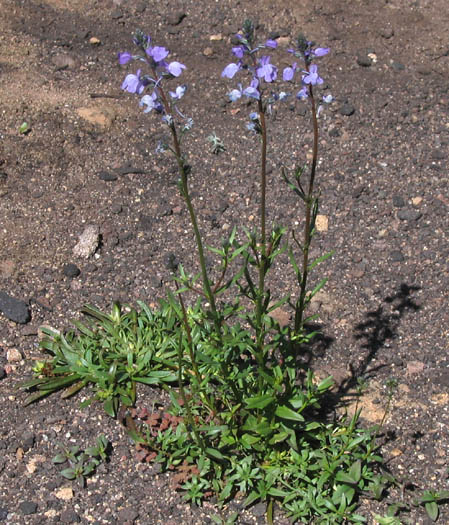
438	154
64	493
94	41
71	270
397	66
281	316
396	256
69	516
107	176
347	109
117	14
98	116
64	61
216	38
14	309
176	18
386	32
128	515
27	441
364	61
3	513
409	214
208	52
13	355
322	223
259	509
88	242
415	367
7	268
27	507
398	201
416	201
2	376
29	330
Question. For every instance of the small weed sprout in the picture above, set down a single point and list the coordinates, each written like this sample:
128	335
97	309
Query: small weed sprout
82	463
217	145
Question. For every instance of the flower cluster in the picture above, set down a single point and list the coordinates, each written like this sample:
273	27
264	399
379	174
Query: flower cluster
155	57
262	70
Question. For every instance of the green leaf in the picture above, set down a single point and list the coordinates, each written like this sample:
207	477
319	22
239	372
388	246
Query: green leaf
287	413
59	458
320	259
214	453
248	440
68	473
325	384
278	493
36	395
432	510
110	407
73	389
24	128
259	401
355	472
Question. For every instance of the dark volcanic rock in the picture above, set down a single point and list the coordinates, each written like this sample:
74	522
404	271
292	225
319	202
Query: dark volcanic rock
14	309
71	270
28	507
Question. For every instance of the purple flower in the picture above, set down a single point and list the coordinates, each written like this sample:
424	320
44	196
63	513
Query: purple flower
271	43
320	51
230	70
124	58
250	92
312	77
175	68
178	93
134	83
266	70
302	94
151	102
289	72
235	94
238	51
157	53
328	99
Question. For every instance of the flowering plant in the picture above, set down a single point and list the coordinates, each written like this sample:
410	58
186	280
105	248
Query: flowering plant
247	406
248	415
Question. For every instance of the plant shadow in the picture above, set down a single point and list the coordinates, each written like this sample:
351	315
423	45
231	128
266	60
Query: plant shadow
379	327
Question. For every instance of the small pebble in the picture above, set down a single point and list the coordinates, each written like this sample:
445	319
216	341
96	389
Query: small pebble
71	270
347	109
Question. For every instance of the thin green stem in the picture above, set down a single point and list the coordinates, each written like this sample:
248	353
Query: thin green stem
206	399
190	420
262	263
183	170
309	201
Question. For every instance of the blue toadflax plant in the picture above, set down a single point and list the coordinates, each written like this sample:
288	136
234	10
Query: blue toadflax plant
246	416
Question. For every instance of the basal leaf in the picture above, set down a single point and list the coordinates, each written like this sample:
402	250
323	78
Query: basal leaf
287	413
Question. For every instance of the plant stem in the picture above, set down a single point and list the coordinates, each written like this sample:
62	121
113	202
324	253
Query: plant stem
185	193
190	420
207	400
260	336
309	201
183	170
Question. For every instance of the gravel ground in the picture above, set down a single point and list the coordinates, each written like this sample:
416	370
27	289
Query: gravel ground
90	159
